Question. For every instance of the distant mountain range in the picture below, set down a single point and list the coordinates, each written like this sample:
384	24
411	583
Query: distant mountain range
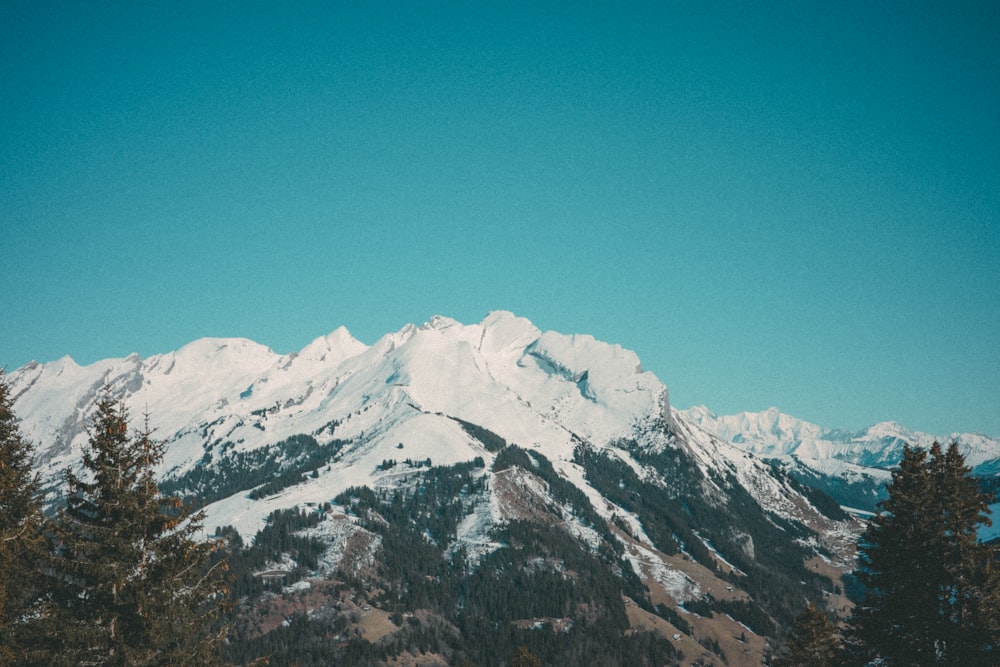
715	516
851	466
771	433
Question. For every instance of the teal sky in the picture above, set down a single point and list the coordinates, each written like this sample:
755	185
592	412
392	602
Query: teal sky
791	204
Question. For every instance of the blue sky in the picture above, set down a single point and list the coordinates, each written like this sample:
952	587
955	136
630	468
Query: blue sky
781	204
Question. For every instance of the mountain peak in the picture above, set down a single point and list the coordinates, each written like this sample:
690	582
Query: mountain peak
62	362
211	347
333	348
440	322
889	428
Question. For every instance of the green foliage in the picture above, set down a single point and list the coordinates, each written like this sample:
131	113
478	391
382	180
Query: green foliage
417	525
677	515
22	546
711	644
864	493
819	499
814	642
272	468
437	501
487	438
657	509
564	492
280	537
933	595
130	582
544	573
304	642
701	606
540	572
749	614
989	487
561	489
674	618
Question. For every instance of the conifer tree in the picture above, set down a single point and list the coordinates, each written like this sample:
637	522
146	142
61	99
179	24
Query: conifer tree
814	642
969	591
931	586
21	523
132	584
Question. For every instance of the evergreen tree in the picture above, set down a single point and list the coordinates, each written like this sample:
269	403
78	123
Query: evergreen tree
931	586
969	591
21	522
132	584
815	642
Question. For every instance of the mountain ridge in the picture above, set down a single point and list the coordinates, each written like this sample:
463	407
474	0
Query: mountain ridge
250	386
543	432
237	389
771	432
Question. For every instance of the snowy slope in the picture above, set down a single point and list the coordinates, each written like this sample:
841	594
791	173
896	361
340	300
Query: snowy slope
394	399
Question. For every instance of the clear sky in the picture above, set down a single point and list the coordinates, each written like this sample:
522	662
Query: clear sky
791	204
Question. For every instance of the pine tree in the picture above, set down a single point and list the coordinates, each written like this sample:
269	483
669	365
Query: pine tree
969	592
931	586
132	583
21	523
814	642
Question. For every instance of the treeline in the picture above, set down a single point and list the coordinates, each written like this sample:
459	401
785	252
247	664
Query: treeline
473	613
279	538
678	517
270	469
561	489
487	438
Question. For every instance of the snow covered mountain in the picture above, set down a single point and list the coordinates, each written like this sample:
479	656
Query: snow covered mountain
542	390
852	466
561	431
771	433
